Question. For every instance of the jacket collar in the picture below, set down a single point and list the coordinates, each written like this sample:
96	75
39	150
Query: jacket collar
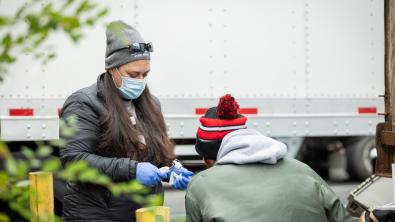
100	85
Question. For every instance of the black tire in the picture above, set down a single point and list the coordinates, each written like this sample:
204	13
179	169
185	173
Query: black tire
360	162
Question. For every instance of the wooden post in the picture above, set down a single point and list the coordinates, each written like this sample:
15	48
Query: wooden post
385	131
41	197
153	214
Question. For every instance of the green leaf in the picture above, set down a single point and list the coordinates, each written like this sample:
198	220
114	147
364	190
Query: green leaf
44	151
90	22
4	178
115	190
103	179
22	183
7	58
66	175
47	9
84	7
88	175
138	199
27	152
4	151
102	13
155	200
51	56
22	169
69	23
66	4
11	166
75	37
136	187
35	163
33	23
76	167
68	128
20	40
4	217
7	40
58	143
51	165
4	21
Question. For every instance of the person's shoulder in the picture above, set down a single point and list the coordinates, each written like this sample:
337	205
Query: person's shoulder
199	179
298	167
85	94
197	188
82	98
156	102
294	164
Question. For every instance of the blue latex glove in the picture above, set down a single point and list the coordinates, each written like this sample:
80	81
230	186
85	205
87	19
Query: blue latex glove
182	179
181	182
148	174
182	171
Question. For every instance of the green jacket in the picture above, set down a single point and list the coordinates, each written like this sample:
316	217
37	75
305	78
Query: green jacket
252	181
287	191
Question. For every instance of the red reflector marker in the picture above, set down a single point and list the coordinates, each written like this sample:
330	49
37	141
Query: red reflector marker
367	110
247	111
200	111
21	112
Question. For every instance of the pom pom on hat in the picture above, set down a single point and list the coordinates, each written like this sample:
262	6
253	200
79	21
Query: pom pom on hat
227	107
216	123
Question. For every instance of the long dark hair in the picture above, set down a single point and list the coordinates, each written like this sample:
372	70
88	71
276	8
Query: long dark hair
118	137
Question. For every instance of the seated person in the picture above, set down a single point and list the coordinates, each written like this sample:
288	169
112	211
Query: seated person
249	178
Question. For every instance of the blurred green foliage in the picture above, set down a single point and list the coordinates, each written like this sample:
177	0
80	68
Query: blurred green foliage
35	21
14	183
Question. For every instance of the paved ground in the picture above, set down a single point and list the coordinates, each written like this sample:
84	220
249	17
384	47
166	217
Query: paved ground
175	199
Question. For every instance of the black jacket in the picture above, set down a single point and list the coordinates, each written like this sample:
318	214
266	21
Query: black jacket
84	201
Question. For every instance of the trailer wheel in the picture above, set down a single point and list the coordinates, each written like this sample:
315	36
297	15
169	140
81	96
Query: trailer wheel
361	157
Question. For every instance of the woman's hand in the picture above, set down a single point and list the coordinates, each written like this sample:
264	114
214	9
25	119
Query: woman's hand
181	182
182	178
148	174
182	171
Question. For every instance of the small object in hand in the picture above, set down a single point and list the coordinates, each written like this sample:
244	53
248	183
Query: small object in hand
176	165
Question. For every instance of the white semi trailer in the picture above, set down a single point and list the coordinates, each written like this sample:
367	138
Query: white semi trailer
309	72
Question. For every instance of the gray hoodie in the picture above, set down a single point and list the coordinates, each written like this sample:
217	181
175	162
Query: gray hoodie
265	190
245	146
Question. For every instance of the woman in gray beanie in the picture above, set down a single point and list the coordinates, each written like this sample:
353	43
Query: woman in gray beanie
121	132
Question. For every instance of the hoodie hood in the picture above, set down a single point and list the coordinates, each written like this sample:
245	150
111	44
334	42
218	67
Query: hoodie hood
245	146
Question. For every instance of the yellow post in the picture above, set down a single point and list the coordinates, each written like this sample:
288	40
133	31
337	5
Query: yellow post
153	214
41	197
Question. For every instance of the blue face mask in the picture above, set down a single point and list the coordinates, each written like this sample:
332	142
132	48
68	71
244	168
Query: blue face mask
132	88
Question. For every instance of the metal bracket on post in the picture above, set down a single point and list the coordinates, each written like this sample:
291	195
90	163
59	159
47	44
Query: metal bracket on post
385	151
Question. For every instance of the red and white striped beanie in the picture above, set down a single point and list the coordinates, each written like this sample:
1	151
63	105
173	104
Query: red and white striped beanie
216	124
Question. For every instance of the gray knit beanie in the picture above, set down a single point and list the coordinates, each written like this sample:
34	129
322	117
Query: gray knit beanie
119	37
